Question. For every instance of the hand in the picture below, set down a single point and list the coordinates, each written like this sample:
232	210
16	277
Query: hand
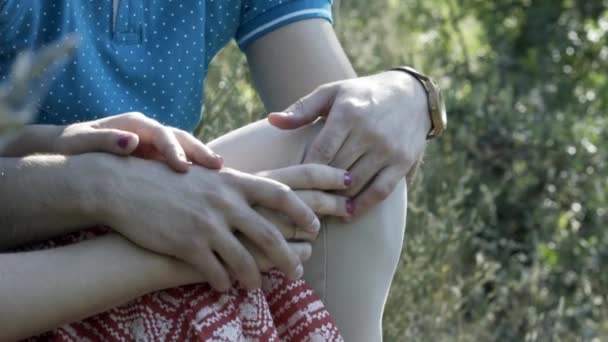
194	217
134	133
181	273
375	127
314	184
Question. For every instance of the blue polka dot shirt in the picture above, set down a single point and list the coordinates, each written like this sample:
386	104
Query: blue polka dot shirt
149	56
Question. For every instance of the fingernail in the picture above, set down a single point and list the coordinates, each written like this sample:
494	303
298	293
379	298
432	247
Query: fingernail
217	156
299	272
348	179
350	206
285	113
123	142
315	226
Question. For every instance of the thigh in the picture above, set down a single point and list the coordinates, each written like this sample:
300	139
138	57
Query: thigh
353	264
260	146
359	260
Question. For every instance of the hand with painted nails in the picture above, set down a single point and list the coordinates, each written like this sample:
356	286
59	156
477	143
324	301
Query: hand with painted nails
138	135
374	126
316	185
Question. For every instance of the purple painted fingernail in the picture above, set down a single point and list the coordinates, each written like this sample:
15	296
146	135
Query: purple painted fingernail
123	142
348	179
350	206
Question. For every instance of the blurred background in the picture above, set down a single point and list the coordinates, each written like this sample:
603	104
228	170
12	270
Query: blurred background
507	223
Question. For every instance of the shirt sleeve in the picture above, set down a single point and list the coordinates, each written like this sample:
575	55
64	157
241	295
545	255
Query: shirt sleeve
264	16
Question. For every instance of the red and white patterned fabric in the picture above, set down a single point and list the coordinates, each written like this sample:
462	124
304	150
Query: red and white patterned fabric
283	310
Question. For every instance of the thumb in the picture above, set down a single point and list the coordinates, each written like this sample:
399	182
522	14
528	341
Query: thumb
101	140
305	110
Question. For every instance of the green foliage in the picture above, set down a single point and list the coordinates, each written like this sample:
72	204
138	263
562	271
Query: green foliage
507	223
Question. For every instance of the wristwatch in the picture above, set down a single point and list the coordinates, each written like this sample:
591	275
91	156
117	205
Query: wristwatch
437	112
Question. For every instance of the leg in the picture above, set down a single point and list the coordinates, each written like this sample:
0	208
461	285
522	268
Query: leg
352	265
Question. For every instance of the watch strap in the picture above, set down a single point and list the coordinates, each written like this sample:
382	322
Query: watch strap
434	100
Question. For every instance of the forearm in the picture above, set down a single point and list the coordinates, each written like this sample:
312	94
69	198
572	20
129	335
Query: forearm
44	196
31	139
44	289
312	46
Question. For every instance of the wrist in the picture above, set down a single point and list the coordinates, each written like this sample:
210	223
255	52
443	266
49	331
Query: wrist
154	271
412	89
95	174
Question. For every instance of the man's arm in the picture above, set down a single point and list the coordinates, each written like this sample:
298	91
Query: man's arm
31	139
45	196
292	61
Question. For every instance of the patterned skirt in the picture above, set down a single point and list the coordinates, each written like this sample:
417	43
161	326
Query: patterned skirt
283	310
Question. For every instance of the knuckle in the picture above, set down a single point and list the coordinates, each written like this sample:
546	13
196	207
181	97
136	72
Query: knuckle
308	174
352	107
377	138
323	151
298	106
317	201
186	248
233	178
283	194
135	116
265	265
243	264
270	238
219	199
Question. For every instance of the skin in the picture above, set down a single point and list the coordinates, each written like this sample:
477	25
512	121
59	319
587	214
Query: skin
375	126
203	208
37	290
372	107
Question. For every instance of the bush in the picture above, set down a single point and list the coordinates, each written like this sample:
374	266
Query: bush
507	223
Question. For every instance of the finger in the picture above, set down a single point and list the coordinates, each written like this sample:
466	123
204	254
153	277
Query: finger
239	260
168	145
197	151
382	186
327	143
302	249
99	140
274	195
310	176
289	231
350	152
270	241
364	170
326	204
204	260
147	151
305	110
151	132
